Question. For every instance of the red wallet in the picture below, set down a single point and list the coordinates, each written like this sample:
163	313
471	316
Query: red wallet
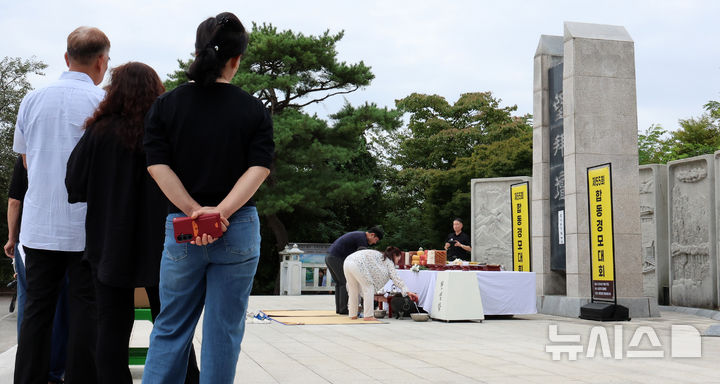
187	229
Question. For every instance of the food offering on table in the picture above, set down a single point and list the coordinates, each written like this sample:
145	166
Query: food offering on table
480	267
407	261
436	260
422	257
436	257
415	259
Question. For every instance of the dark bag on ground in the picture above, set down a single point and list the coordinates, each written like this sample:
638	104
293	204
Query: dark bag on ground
403	306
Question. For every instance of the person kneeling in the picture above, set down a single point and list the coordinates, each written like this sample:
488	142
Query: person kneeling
366	272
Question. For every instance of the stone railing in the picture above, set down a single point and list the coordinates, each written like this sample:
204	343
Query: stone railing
303	269
317	278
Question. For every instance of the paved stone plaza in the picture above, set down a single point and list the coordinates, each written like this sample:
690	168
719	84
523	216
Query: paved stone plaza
507	350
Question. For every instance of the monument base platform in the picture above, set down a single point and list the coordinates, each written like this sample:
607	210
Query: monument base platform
570	306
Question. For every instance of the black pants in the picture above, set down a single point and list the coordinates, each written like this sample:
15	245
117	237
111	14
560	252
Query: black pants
116	315
45	270
335	265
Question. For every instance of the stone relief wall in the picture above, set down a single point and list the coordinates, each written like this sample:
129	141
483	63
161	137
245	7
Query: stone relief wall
491	226
692	237
678	224
648	224
654	229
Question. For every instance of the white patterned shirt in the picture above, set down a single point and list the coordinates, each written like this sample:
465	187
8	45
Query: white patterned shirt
49	124
377	269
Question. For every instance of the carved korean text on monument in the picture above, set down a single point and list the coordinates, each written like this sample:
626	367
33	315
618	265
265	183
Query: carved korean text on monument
557	168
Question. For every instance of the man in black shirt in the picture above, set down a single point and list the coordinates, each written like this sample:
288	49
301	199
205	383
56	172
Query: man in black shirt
338	251
457	243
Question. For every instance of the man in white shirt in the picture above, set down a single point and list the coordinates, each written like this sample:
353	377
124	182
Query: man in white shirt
49	124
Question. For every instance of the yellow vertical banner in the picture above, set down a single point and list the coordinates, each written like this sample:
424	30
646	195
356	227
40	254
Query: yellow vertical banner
520	209
600	218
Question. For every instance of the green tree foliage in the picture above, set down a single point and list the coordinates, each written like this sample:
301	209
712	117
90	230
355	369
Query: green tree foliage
322	171
696	136
713	108
14	85
179	77
287	69
323	181
654	146
313	169
444	146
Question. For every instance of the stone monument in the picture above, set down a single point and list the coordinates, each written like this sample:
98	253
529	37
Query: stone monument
547	238
599	119
692	236
491	237
654	228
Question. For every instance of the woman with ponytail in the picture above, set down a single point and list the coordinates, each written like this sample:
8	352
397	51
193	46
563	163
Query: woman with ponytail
209	147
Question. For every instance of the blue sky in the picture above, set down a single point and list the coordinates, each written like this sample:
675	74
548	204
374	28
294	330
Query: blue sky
446	48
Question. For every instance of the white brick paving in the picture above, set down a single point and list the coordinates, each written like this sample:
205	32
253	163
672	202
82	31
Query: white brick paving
403	351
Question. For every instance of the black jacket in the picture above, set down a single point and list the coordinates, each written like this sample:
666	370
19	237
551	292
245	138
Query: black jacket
125	209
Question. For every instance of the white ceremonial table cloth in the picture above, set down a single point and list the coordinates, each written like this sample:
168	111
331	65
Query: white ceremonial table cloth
502	293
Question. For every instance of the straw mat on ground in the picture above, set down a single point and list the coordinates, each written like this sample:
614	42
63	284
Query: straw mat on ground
299	313
322	320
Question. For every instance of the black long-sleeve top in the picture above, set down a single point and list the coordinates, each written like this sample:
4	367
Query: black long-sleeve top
18	185
126	210
347	244
454	252
209	136
19	181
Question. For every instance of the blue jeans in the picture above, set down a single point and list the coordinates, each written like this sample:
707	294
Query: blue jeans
58	345
219	277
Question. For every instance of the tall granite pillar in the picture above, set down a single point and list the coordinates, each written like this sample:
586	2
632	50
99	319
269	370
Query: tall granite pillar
549	55
600	113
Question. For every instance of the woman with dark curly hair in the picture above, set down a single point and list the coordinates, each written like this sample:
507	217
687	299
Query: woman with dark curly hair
125	212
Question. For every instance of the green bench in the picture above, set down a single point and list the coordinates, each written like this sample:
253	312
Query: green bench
136	356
